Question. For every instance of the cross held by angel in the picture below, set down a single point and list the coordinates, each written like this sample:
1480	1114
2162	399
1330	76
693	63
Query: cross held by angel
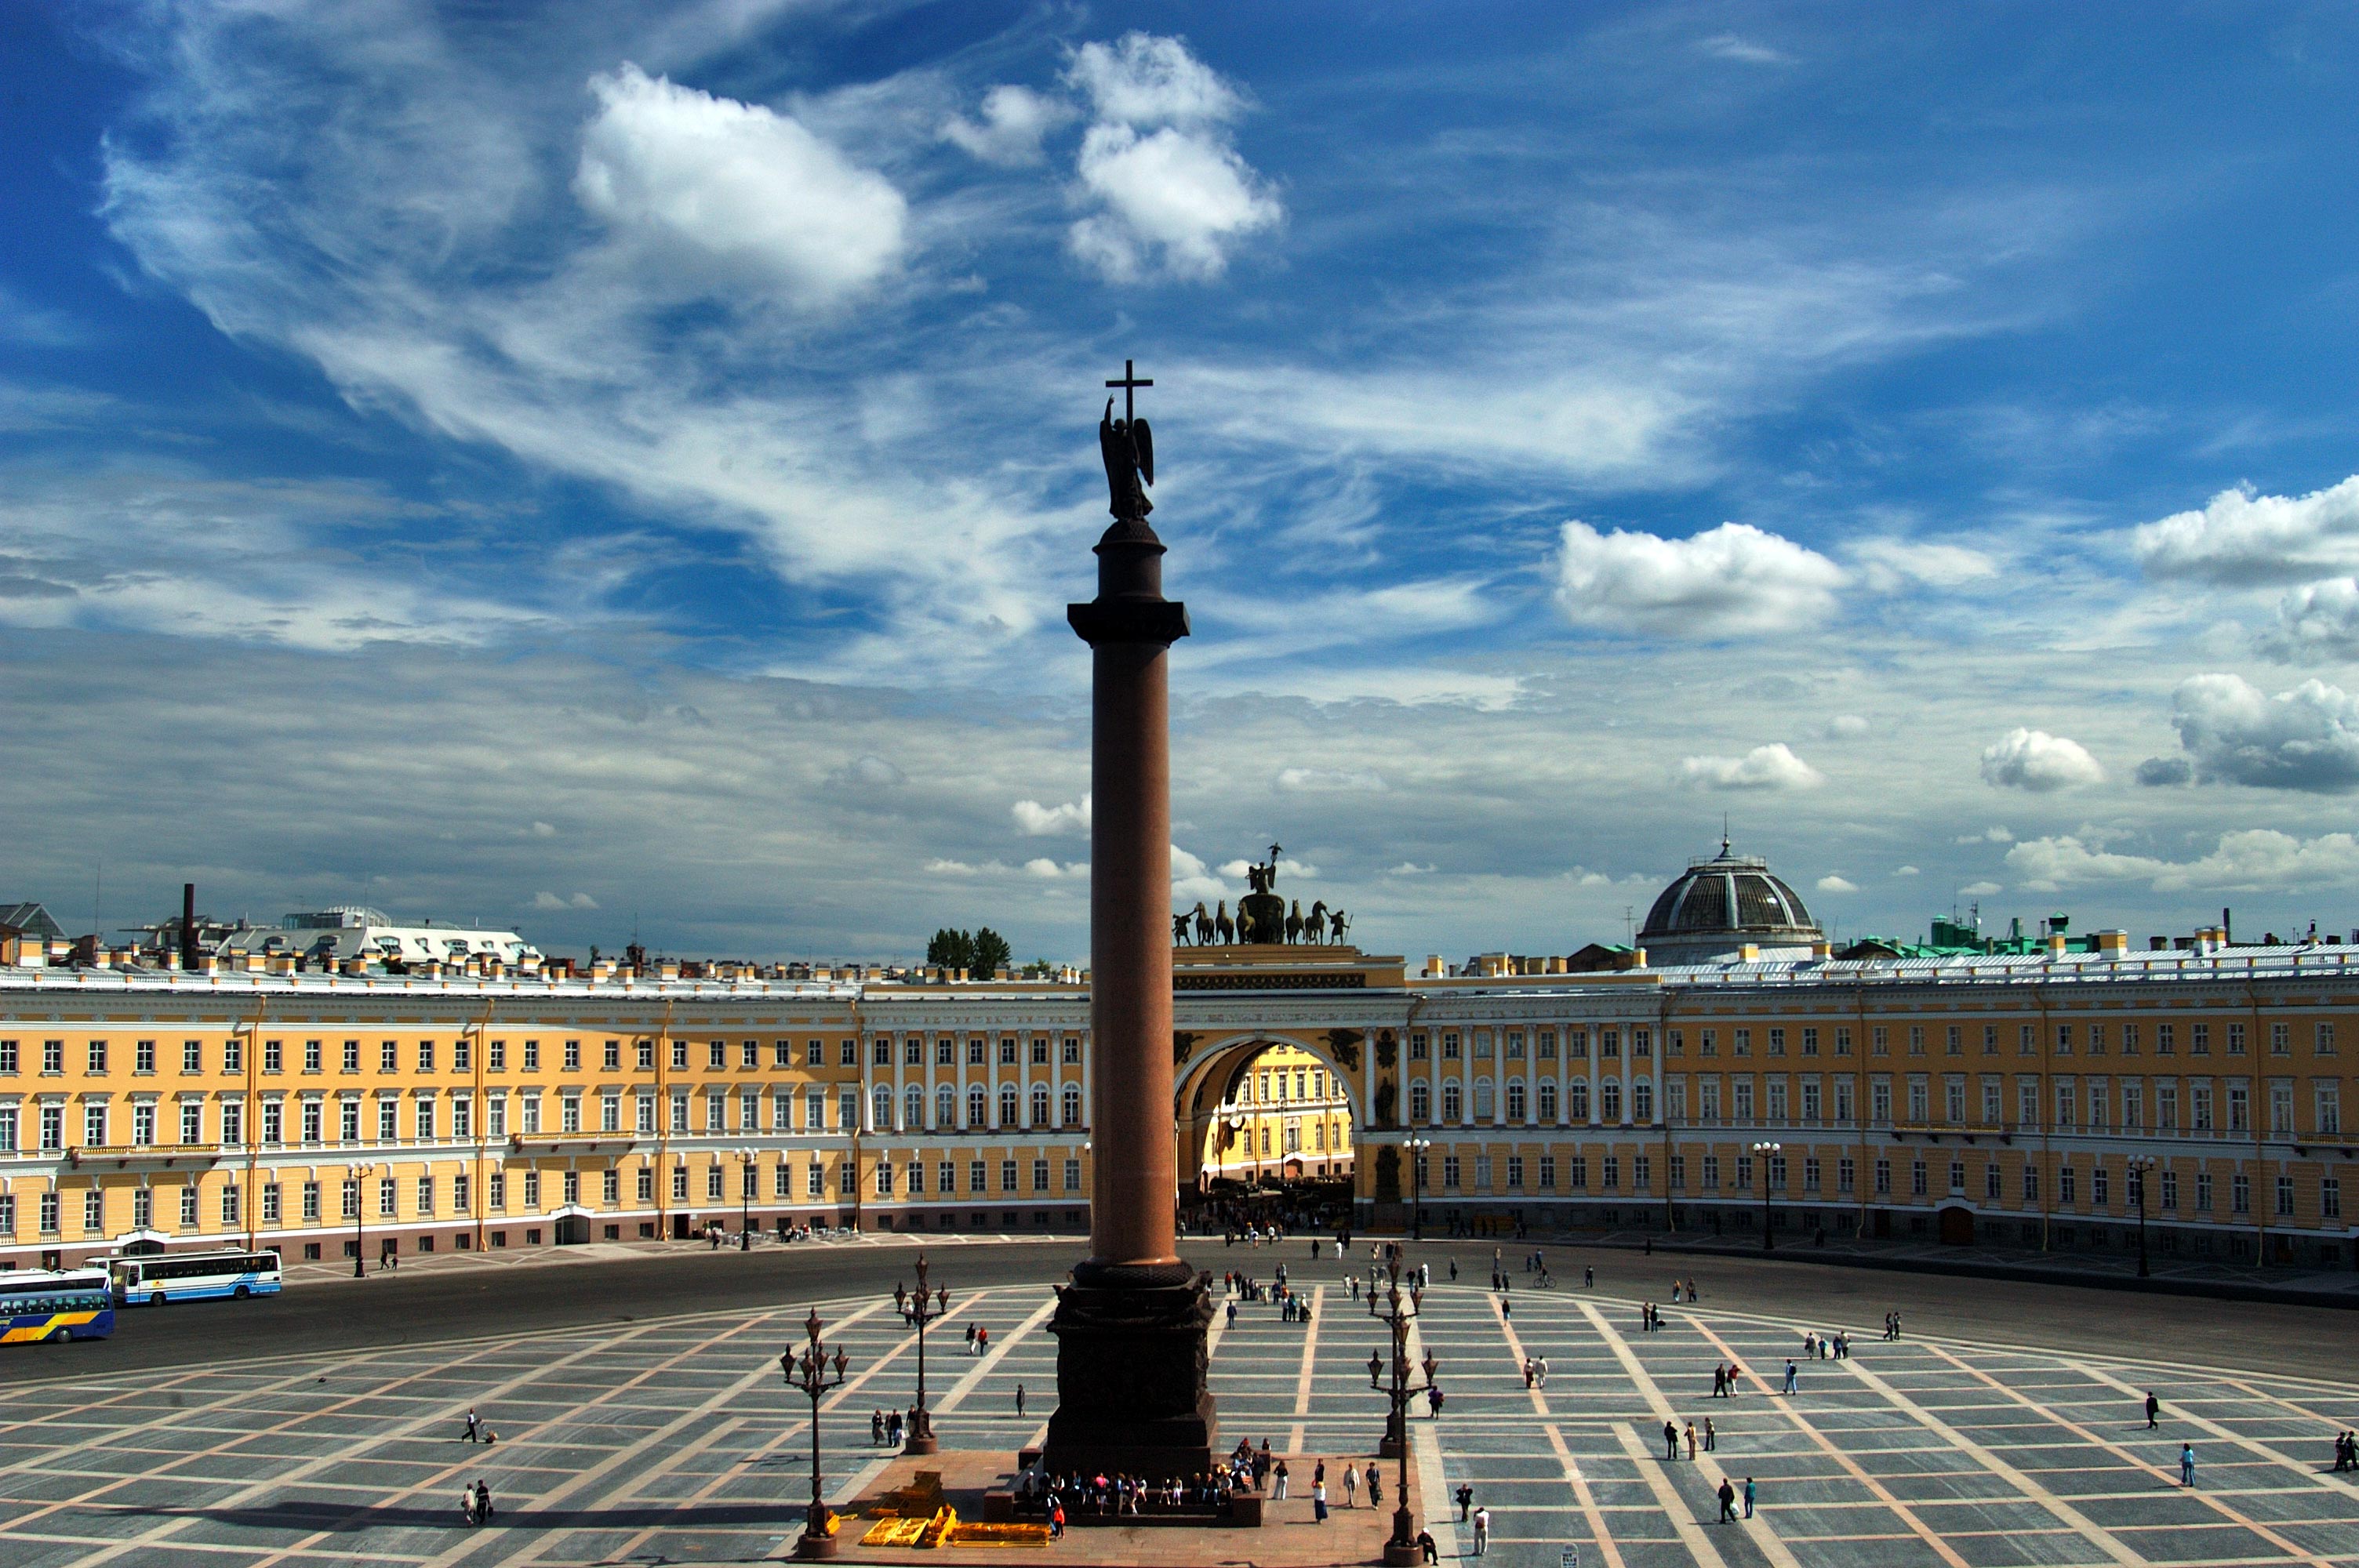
1128	447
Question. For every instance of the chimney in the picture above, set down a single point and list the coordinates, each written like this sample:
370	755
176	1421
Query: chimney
188	925
2227	929
2113	943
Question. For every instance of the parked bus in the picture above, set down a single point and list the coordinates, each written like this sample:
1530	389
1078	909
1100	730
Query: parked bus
39	1306
164	1277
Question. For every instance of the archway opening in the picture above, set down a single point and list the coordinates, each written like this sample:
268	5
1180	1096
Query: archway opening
1265	1137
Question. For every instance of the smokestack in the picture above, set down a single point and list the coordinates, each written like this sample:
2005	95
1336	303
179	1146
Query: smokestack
2227	932
188	925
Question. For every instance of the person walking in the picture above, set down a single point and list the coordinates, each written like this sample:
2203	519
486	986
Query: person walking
970	1339
1727	1495
981	1339
466	1503
1019	1401
1465	1495
875	1429
1375	1485
1057	1522
1670	1441
1790	1385
2152	1410
1588	1278
2187	1464
482	1502
1318	1502
1482	1531
1692	1440
1711	1436
1748	1497
1350	1486
475	1431
1543	1371
1278	1488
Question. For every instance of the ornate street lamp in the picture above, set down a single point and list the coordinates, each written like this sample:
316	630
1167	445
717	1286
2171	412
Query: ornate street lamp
2139	1165
809	1374
745	1199
358	1175
1396	1310
1416	1147
918	1311
1762	1151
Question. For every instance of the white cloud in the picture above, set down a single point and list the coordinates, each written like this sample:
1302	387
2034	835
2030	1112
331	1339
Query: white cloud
2037	761
1987	835
1045	866
1906	871
2243	539
952	868
1773	766
1982	890
1192	879
1837	885
543	830
1409	869
2249	859
734	190
1889	564
1148	80
1846	727
1318	780
1171	195
868	772
2316	624
1235	870
545	900
1732	581
1728	46
1013	121
2306	738
1041	821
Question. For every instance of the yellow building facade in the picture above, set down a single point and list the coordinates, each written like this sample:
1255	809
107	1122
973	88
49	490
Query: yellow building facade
2030	1100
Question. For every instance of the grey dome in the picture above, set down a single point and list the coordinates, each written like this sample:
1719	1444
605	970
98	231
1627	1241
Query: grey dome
1721	903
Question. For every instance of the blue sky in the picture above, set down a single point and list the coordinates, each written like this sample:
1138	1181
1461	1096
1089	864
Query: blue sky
594	466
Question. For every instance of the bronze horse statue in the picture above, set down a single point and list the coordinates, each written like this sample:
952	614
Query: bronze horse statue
1294	922
1224	925
1203	925
1314	924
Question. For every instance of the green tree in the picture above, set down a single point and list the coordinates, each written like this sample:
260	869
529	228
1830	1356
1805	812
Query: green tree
990	953
950	950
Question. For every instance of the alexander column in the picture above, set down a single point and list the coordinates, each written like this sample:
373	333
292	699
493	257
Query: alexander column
1130	1328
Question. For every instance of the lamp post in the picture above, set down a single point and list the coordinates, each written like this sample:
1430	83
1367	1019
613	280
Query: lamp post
2139	1165
1416	1147
1762	1151
918	1311
1395	1312
808	1375
357	1174
745	1200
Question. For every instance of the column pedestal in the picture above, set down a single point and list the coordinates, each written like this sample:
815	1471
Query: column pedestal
1131	1368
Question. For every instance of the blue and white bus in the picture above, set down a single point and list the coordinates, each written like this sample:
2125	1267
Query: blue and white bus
42	1307
158	1278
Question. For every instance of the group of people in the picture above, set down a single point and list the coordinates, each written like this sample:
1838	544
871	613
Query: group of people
978	1339
1467	1514
1816	1346
2346	1451
475	1503
1671	1439
1536	1371
887	1428
1650	1317
1727	1495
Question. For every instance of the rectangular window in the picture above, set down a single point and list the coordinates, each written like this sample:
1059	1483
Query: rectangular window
1548	1173
2170	1189
192	1055
2330	1197
975	1180
2240	1193
311	1200
1008	1175
272	1200
425	1196
1072	1175
463	1057
2065	1179
2235	1040
2284	1198
1776	1042
426	1056
1450	1170
2280	1039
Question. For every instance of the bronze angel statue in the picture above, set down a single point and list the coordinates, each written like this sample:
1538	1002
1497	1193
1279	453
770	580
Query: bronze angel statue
1129	449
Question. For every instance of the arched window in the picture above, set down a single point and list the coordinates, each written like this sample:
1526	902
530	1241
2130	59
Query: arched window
1580	1099
1548	1099
978	1107
1039	1105
913	1108
1420	1102
1008	1109
1642	1101
1452	1106
1515	1100
1482	1098
946	1107
882	1103
1609	1099
1073	1104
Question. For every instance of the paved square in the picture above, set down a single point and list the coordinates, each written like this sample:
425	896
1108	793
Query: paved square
672	1440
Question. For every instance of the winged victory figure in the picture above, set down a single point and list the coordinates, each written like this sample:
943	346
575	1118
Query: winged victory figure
1129	449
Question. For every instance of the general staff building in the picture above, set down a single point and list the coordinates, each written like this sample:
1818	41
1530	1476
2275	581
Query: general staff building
1716	1076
